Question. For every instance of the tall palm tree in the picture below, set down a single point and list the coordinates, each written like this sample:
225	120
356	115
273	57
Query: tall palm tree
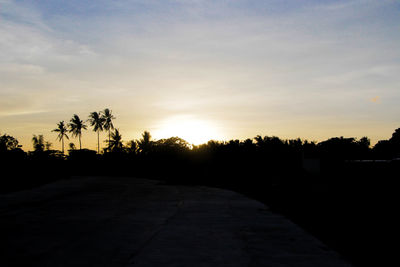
115	143
62	132
108	124
38	143
76	126
97	122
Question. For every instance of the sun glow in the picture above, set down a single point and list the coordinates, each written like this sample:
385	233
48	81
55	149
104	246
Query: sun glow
192	130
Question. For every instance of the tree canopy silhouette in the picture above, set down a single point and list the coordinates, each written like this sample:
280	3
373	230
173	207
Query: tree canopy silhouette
145	143
108	122
115	143
8	142
76	126
62	132
38	143
71	146
97	122
396	136
132	147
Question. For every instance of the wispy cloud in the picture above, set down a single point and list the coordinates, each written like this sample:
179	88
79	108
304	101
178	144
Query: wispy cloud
275	61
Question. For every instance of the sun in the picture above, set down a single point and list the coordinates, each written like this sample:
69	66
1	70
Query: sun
194	131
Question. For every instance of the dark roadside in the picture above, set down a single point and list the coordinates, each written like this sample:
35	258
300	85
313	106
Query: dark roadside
350	209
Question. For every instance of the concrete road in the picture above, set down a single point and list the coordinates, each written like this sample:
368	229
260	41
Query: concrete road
100	221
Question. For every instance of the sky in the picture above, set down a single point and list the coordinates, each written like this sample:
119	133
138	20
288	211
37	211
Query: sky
201	69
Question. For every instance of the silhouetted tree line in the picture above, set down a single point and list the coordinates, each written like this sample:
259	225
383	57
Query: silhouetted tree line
348	204
262	159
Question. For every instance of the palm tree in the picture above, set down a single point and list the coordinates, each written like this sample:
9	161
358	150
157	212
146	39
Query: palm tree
108	125
75	127
115	143
145	142
132	146
62	132
97	122
38	143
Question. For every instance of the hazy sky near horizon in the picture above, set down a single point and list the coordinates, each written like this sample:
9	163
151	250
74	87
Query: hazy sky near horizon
221	69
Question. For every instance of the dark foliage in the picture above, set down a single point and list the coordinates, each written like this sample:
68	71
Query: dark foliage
8	143
348	203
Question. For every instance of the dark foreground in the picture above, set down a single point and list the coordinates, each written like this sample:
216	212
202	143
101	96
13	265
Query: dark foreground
134	222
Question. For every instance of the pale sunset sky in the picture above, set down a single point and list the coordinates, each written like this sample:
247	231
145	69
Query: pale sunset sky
201	69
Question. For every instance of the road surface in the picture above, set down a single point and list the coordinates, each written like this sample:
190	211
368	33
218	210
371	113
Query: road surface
106	221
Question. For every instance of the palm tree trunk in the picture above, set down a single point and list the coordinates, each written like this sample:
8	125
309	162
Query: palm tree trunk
109	139
80	144
62	144
98	142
